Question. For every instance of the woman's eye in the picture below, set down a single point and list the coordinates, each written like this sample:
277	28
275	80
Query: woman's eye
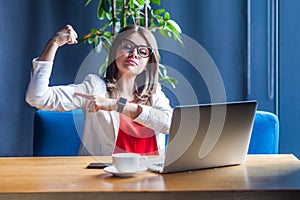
143	51
128	46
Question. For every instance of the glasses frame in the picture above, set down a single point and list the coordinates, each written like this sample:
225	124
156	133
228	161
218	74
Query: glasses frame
136	47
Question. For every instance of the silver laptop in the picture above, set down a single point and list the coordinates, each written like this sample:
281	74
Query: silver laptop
207	136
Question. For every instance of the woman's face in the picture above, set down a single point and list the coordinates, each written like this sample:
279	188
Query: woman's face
131	56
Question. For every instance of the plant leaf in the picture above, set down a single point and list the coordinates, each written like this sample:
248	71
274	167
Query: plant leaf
173	26
123	14
107	5
98	45
90	40
159	11
164	33
101	12
106	43
87	2
140	2
170	81
157	2
103	67
163	70
131	4
94	31
107	34
167	16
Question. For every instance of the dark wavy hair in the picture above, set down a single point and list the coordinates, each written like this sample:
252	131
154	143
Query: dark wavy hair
146	82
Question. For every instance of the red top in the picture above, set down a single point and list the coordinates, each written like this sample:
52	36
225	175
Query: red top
135	138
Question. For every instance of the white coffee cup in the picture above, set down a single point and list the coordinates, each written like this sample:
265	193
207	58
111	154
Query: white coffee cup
126	162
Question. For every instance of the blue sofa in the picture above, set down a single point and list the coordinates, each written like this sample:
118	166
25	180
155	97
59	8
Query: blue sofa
56	134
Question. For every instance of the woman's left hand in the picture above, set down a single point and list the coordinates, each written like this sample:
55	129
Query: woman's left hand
99	103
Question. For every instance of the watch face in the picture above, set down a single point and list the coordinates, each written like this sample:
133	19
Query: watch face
121	103
122	100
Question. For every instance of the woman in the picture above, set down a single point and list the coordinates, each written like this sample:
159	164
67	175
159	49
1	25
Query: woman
124	112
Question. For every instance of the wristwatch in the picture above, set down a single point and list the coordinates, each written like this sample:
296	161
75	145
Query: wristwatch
121	103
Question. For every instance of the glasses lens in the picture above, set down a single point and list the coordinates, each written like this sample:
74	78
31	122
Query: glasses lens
144	51
127	45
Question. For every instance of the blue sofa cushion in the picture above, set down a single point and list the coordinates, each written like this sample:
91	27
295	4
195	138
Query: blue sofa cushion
265	134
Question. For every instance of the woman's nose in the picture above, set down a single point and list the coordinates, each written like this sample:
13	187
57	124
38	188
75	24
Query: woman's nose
133	54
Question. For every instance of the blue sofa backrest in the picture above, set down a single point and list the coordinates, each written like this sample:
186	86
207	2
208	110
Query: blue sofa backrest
265	134
56	134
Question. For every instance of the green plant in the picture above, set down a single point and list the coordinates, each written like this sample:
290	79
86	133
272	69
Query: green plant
119	13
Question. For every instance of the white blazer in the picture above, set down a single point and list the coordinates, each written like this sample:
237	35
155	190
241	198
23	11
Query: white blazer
100	128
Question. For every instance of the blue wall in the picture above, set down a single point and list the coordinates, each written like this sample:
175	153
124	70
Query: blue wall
220	26
261	34
25	27
289	111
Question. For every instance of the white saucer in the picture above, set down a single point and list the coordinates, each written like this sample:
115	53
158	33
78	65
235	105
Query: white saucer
115	172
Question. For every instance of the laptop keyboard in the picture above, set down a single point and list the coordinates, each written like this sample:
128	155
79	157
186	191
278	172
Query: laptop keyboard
158	164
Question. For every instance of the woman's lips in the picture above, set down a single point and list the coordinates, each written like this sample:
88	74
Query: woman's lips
131	62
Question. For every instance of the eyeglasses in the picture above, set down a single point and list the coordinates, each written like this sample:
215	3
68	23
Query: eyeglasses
142	50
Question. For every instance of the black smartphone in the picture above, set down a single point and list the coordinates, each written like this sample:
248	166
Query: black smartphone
98	165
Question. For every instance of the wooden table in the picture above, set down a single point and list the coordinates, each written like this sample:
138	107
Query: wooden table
261	177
